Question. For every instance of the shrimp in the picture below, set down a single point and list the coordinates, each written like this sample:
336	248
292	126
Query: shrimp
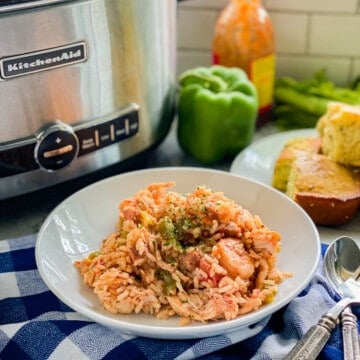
266	240
232	256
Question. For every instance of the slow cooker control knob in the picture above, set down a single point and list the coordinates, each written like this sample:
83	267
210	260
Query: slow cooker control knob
57	145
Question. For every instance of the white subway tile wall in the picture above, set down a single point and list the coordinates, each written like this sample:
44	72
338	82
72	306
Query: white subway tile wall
309	36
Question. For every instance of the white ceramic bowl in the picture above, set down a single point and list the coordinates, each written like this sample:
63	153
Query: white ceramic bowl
78	225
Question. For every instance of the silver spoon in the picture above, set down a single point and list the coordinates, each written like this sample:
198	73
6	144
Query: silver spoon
311	344
341	259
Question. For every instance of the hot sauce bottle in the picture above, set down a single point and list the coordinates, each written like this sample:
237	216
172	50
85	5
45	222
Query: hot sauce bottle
244	38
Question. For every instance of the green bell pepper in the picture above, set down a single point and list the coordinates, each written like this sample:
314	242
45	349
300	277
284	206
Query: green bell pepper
217	112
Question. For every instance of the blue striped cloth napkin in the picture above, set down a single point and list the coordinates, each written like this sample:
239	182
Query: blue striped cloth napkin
35	324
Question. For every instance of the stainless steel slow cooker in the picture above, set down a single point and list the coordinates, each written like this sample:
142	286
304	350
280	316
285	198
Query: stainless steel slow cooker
83	85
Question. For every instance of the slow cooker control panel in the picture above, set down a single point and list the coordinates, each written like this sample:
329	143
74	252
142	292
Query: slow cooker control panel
57	144
56	147
106	133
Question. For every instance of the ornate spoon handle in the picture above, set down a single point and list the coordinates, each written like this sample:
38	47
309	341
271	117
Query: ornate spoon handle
311	344
350	335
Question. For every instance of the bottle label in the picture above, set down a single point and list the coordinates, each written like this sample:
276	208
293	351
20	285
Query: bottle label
262	75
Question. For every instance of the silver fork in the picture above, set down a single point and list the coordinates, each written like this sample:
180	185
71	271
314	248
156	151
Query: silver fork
311	344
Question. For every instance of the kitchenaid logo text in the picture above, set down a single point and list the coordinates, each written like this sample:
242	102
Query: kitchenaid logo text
19	65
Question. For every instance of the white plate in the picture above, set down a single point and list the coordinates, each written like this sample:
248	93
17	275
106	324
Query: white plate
257	162
76	227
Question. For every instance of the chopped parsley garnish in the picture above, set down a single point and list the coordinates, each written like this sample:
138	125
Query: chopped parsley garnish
169	282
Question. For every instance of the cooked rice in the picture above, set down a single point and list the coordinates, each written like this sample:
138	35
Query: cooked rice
200	256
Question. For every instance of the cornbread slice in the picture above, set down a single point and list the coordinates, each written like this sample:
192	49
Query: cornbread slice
329	192
339	129
284	161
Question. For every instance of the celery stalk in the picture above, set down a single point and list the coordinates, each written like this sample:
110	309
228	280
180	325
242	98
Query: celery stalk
307	103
